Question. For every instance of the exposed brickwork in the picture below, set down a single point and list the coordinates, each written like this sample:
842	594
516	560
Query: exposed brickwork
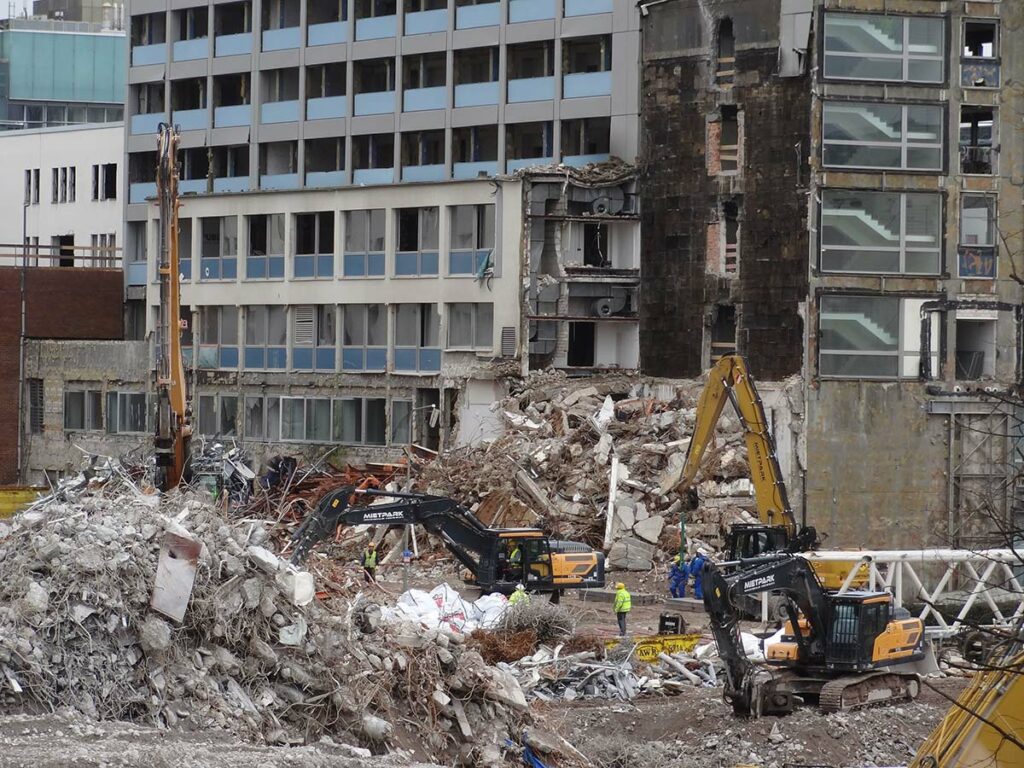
679	197
61	303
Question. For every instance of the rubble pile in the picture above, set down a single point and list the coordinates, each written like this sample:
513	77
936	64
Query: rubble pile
573	450
253	653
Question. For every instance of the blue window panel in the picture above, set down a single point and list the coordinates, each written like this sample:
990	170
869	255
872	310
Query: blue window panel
328	33
191	119
428	263
195	186
377	27
305	266
530	10
280	39
376	103
476	94
376	265
185	269
277	357
586	84
325	179
430	360
147	123
473	170
405	359
423	172
481	258
229	270
229	357
235	115
325	265
188	50
217	269
376	358
280	181
473	16
531	89
232	45
256	267
352	359
186	356
302	358
231	184
279	112
255	358
420	99
325	358
136	273
149	54
207	357
407	263
326	107
139	191
354	265
423	22
461	262
364	176
585	7
275	267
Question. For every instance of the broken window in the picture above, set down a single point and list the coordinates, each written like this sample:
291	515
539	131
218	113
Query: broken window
367	9
149	98
423	155
977	140
325	158
278	159
232	18
476	65
231	162
417	252
280	14
373	76
266	247
729	146
723	333
417	342
360	420
978	237
472	239
148	29
218	337
979	63
476	148
373	151
325	81
401	422
255	424
881	232
280	85
126	412
726	60
218	248
528	144
871	337
314	336
193	23
585	55
427	70
730	217
327	11
364	337
82	409
528	61
896	136
104	181
266	338
314	244
231	90
586	140
975	345
364	243
863	46
471	326
188	94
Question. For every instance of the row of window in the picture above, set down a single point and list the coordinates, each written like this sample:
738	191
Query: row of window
64	184
36	115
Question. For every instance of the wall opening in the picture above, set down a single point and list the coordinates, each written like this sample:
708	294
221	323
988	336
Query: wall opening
726	64
723	332
975	349
581	345
977	140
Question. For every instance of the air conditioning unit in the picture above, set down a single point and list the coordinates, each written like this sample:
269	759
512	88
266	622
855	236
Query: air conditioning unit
609	203
606	306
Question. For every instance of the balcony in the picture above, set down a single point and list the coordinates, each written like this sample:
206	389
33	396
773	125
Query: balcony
587	7
578	161
282	39
364	358
143	55
147	123
421	99
231	184
424	22
329	33
233	45
135	273
233	116
363	176
140	191
584	84
423	172
473	16
279	181
531	89
189	50
280	112
192	186
515	165
474	170
191	119
325	179
476	94
417	359
326	107
376	27
378	103
530	10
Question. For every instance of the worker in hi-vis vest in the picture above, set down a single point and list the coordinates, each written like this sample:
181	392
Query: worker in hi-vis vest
622	606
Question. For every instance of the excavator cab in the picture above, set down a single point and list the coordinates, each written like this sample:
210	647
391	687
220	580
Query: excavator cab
753	540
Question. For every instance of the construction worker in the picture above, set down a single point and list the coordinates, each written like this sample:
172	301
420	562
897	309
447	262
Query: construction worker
696	570
519	597
515	561
677	578
370	563
622	606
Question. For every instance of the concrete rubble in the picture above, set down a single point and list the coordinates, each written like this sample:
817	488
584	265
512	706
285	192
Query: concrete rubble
252	654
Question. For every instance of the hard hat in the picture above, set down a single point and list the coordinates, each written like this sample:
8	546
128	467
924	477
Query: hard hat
675	559
371	545
620	585
520	587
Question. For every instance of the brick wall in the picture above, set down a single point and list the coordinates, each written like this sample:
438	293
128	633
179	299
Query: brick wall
61	303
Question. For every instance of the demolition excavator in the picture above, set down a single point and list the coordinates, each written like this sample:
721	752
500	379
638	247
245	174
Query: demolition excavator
173	430
841	649
544	564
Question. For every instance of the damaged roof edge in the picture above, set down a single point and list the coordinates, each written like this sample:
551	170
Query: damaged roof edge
606	174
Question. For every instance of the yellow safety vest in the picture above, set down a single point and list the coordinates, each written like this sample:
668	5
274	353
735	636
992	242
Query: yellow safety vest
515	557
518	596
623	601
370	558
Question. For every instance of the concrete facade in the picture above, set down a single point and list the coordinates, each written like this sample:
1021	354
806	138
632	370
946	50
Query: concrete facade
888	222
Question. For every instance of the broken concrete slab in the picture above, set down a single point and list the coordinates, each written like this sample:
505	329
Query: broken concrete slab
649	529
631	554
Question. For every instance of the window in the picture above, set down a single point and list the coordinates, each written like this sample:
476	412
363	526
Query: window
729	141
83	410
360	420
364	339
266	247
35	405
401	422
364	243
907	136
126	412
861	46
35	186
470	326
102	250
219	248
352	420
417	241
218	415
104	181
54	185
266	338
314	244
977	140
218	337
978	237
726	65
979	62
417	343
28	187
314	336
472	239
872	337
881	232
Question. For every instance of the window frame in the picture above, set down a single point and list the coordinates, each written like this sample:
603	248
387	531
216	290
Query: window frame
319	265
904	56
426	259
322	356
223	266
262	333
904	144
984	255
474	327
266	266
482	255
224	350
92	408
373	261
113	420
364	349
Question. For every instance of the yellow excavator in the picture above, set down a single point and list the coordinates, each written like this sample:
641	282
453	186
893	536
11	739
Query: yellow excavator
729	380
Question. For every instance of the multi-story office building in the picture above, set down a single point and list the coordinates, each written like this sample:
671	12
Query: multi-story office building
855	200
365	250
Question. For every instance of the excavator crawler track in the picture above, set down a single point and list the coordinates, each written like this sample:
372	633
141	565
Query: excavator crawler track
857	691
